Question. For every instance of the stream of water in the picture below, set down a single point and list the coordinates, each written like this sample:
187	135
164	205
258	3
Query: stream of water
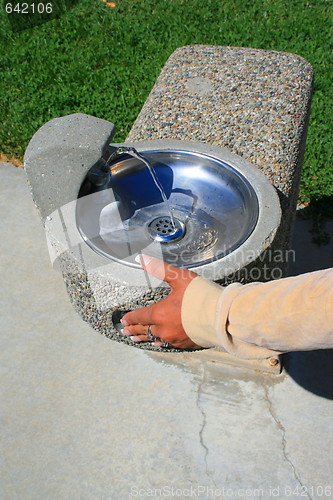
133	152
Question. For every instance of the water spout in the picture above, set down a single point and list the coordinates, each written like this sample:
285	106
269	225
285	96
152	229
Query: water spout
114	151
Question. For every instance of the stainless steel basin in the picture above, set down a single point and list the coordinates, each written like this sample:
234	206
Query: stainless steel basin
214	207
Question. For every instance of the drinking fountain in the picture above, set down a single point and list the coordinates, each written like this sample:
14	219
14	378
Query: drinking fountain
191	204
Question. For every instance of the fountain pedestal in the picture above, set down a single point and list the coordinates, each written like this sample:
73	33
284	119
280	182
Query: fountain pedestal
254	102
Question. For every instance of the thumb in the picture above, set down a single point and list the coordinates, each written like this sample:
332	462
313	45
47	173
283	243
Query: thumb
162	270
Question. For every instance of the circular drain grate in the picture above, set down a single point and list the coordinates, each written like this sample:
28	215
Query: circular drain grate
161	229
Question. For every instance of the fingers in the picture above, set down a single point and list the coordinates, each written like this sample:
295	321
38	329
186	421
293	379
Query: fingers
135	330
158	336
139	333
142	316
162	270
165	315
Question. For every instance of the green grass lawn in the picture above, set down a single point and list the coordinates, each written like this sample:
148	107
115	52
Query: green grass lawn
103	61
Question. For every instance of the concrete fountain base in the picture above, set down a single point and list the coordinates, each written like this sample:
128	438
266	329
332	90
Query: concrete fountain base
57	161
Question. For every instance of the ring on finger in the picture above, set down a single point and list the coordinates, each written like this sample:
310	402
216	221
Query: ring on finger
150	336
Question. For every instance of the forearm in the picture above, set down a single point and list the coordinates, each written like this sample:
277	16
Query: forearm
258	320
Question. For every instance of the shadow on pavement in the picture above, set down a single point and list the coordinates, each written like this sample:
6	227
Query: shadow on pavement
310	256
312	370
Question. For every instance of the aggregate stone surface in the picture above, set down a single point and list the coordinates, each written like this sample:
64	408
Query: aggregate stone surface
86	418
254	102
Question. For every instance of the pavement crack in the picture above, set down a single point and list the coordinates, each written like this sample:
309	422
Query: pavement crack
204	422
284	442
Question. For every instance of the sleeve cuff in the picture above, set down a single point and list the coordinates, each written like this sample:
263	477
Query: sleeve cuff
205	318
199	310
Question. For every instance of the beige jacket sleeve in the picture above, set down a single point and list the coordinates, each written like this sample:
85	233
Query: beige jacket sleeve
259	320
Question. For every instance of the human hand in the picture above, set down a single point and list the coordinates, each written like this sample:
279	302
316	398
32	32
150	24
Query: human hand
164	317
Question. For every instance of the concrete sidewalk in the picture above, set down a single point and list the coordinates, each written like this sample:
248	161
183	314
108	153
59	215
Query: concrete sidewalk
87	418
